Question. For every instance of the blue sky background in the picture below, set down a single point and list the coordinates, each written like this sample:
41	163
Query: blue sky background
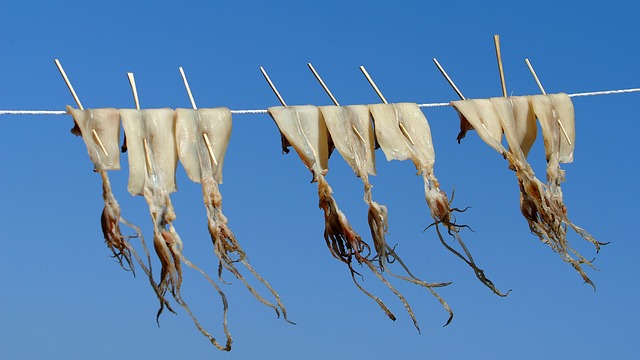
63	296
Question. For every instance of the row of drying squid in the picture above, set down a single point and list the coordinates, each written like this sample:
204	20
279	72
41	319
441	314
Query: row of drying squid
156	139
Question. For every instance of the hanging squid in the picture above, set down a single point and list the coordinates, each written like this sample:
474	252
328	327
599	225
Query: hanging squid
100	130
202	137
304	128
557	120
352	132
403	133
153	159
541	205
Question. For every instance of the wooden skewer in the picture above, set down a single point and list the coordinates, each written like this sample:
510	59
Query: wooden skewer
264	73
77	100
193	104
145	143
375	87
355	130
335	102
496	41
446	76
147	157
373	84
97	138
134	89
66	80
136	101
453	85
186	85
273	87
324	86
535	76
206	141
455	88
406	133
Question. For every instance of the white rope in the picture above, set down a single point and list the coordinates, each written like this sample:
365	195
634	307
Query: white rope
592	93
56	112
606	92
262	111
31	112
248	111
433	105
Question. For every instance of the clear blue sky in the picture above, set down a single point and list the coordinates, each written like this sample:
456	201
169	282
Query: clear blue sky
64	297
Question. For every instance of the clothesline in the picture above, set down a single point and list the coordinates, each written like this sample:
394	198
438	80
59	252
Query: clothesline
263	111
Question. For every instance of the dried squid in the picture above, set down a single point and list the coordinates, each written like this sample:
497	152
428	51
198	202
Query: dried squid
150	136
352	132
559	140
100	130
304	128
544	211
202	137
403	133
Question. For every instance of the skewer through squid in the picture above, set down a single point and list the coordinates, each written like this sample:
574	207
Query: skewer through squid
541	205
304	128
403	133
202	137
352	132
100	130
152	163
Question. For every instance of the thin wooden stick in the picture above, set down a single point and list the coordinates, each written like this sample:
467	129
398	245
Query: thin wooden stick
324	86
535	76
134	89
496	41
193	104
335	102
77	100
66	80
186	85
136	101
446	76
373	84
375	87
147	156
406	133
206	141
145	143
97	138
273	87
355	130
455	88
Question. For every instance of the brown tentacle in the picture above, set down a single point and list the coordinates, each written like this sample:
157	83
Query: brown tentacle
170	252
225	245
147	269
345	244
122	250
412	279
441	211
109	221
547	217
225	306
